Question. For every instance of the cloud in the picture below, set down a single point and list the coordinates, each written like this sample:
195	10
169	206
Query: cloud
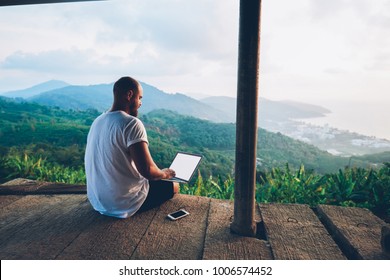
54	61
334	71
205	28
168	38
320	10
144	61
330	9
380	62
192	46
172	39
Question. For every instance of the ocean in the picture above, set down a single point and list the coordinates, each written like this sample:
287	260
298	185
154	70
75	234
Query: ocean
367	118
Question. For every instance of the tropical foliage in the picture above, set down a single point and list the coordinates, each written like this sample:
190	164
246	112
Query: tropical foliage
369	188
359	187
32	167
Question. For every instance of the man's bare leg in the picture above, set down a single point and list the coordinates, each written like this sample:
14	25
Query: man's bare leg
176	187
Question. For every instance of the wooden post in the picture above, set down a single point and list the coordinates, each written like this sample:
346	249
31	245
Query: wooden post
385	239
246	134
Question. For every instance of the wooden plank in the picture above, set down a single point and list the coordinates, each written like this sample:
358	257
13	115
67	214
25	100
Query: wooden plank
59	188
385	240
25	187
221	244
109	238
180	240
6	200
357	230
40	227
20	186
295	233
18	214
19	181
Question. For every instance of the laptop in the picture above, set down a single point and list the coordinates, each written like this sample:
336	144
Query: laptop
184	165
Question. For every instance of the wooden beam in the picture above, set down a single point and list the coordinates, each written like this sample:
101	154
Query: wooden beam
34	2
246	135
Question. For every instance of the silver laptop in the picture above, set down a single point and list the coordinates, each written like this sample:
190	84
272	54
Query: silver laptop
184	165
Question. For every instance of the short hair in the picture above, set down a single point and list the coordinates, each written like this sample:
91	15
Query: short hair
124	85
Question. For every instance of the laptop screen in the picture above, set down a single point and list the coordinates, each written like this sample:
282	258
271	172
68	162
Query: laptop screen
185	164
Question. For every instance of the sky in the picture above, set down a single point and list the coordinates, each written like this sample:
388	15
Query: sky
311	50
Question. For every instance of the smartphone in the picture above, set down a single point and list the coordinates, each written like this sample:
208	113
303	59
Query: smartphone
177	215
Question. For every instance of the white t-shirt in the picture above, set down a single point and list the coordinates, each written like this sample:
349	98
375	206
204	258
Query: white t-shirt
114	185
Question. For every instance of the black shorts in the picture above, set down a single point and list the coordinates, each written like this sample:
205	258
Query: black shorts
159	192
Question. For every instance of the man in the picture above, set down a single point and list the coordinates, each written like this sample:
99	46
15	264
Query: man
122	178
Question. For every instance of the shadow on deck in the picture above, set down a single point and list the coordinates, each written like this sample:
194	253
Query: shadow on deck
55	221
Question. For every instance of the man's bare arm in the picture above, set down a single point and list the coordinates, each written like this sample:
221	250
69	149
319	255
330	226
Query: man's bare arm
144	162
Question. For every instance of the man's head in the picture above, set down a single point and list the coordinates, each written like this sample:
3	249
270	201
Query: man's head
128	93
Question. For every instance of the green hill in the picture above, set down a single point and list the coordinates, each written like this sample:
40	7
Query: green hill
274	149
275	116
374	159
60	137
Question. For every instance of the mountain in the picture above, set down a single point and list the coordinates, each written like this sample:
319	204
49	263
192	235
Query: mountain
269	111
274	116
216	109
97	97
37	89
373	158
156	99
100	97
302	110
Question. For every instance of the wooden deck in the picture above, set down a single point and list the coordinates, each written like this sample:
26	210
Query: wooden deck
53	221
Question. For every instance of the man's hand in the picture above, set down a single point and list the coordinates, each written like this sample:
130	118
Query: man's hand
168	173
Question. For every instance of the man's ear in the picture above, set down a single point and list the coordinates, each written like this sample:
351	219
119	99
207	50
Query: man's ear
130	94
